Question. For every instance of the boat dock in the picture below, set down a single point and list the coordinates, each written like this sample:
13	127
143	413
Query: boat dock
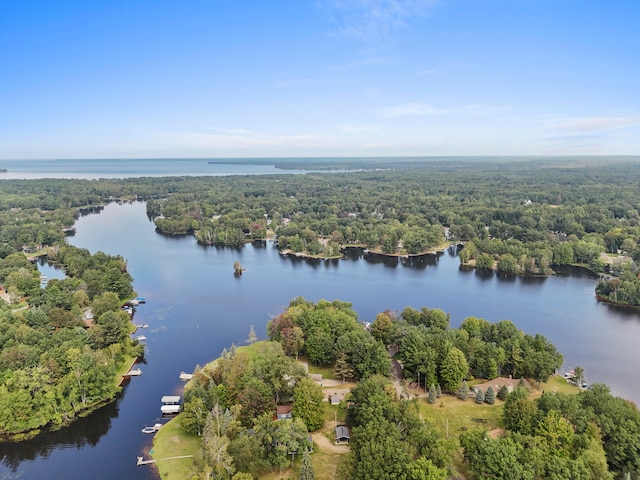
142	461
170	404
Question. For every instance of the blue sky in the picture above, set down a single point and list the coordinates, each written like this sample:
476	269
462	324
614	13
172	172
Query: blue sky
237	78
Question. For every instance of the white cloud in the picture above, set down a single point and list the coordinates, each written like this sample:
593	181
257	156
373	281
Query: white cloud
366	62
432	71
592	124
359	128
425	109
372	20
238	139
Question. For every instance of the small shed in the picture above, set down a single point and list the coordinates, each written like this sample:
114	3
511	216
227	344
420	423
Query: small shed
283	412
342	434
334	399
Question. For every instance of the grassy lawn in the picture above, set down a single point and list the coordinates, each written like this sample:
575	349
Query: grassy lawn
172	441
326	372
452	415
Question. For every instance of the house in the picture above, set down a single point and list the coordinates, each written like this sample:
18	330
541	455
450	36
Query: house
283	412
342	434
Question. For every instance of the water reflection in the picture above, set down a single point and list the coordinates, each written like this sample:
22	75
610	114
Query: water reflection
83	432
484	275
421	262
376	259
506	277
533	280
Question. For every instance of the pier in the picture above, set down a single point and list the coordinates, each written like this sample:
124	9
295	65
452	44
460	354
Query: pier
142	461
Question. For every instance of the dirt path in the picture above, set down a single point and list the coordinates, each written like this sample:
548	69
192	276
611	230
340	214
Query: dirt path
326	445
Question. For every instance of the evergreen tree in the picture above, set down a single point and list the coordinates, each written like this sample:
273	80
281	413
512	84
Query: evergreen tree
503	393
479	396
463	391
342	369
438	391
490	396
306	470
252	336
432	394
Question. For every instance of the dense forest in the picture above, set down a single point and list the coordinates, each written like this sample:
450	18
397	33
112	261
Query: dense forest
516	216
62	344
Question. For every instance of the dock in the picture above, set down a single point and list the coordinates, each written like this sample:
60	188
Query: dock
142	461
170	404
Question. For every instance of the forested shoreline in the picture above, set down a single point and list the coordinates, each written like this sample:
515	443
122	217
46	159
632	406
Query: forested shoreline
519	217
229	416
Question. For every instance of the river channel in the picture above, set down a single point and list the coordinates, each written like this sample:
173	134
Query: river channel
196	307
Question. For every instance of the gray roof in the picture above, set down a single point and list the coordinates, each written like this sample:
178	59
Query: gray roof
342	431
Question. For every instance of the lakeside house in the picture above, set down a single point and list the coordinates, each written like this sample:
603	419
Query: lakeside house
283	412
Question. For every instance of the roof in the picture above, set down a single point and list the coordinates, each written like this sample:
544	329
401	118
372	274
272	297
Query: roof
170	399
283	409
342	431
170	408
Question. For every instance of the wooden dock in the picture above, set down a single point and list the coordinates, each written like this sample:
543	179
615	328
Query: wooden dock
142	461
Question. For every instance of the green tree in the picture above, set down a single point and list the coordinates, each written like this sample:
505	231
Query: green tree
306	469
342	369
503	393
252	338
479	395
490	396
308	403
463	391
453	369
519	412
484	261
432	396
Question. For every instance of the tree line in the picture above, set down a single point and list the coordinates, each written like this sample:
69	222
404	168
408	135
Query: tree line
54	364
515	216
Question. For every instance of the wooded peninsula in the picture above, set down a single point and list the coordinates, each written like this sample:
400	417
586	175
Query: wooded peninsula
516	216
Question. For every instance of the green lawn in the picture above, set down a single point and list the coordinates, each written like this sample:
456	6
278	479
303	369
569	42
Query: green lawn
172	441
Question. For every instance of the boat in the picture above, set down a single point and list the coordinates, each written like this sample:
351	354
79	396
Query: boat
144	325
134	372
153	429
141	300
141	338
186	376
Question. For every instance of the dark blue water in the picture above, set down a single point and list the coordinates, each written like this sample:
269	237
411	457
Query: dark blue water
196	307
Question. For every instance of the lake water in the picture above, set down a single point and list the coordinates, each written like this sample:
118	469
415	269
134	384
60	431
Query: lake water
126	168
196	307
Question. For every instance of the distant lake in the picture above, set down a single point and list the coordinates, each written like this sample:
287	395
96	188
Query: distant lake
196	307
127	168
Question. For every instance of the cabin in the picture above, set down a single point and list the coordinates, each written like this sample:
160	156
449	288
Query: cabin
284	412
342	434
